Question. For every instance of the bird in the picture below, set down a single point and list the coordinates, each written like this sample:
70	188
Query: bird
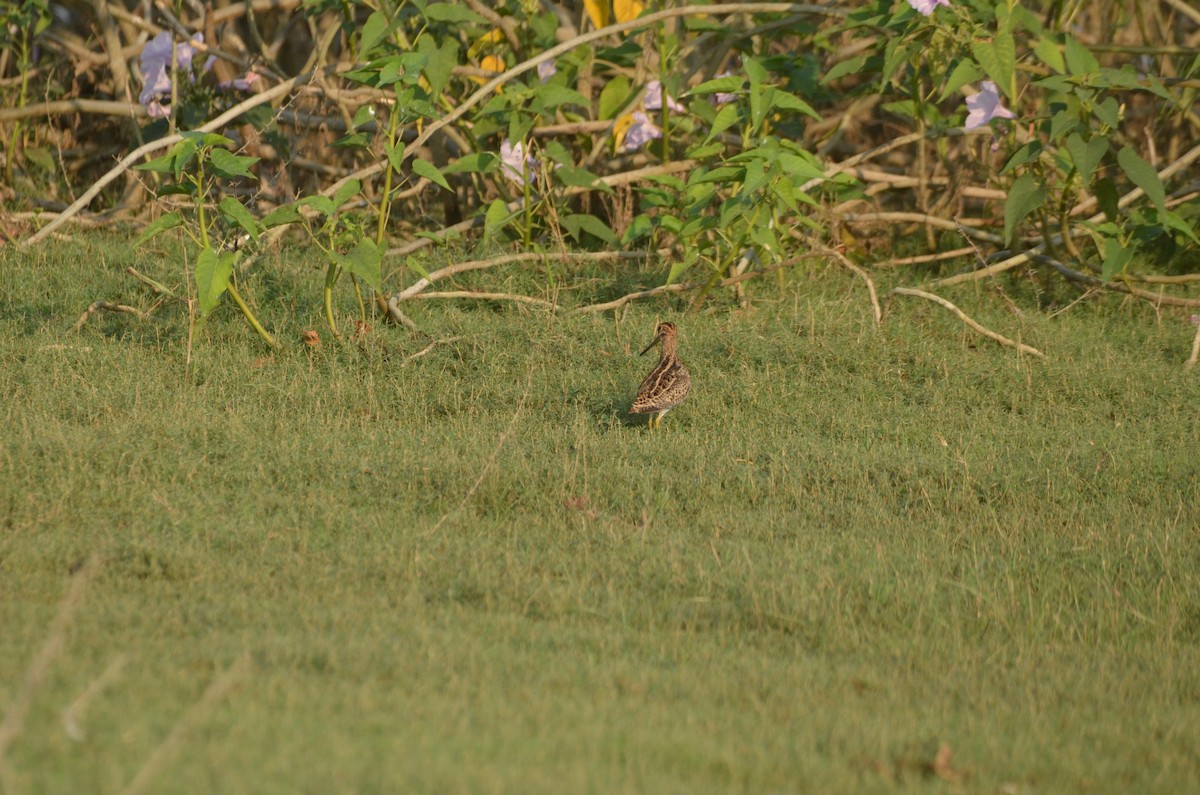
668	383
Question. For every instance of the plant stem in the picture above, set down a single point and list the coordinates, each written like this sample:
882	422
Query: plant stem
262	332
385	201
330	279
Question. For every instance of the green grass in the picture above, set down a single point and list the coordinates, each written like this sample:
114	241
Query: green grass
470	572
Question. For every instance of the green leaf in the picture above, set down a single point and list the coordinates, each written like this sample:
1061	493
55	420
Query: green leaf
184	151
1106	196
285	214
705	151
800	168
441	60
679	267
474	163
1061	123
212	278
726	118
161	165
1025	196
967	71
785	101
365	261
424	168
553	96
160	224
1116	258
346	192
1080	60
613	97
363	116
229	165
1048	52
579	223
1086	156
998	58
1144	176
722	85
1177	222
450	12
1024	154
232	208
1109	112
578	177
641	226
374	30
322	204
495	219
851	67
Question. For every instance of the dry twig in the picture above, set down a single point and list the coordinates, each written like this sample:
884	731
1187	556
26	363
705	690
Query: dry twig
161	755
107	306
1000	338
18	708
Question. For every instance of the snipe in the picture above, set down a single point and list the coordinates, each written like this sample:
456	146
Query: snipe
668	383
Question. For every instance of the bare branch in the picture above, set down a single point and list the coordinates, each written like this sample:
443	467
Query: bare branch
1000	338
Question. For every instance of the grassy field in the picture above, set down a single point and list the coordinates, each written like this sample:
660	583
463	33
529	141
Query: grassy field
856	560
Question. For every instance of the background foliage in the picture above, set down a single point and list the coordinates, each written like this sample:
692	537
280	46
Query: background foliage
721	139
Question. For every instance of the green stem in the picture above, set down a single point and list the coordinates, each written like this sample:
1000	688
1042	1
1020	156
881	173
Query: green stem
385	201
331	276
250	318
528	203
663	115
700	296
23	60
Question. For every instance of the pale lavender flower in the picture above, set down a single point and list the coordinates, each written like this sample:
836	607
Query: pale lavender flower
546	70
155	63
1194	320
654	98
640	132
926	6
515	164
985	106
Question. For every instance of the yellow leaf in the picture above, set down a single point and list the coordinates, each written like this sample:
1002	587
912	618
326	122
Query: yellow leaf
485	42
597	11
625	10
492	63
620	127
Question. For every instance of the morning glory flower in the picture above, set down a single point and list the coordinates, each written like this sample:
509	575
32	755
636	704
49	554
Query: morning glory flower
515	164
546	70
155	63
654	98
986	106
641	131
926	6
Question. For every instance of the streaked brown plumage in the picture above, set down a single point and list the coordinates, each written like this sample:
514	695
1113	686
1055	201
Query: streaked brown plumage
668	383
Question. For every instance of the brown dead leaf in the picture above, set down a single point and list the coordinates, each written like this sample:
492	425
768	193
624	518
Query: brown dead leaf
311	339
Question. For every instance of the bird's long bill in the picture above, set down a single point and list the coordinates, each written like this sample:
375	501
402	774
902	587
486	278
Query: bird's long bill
653	342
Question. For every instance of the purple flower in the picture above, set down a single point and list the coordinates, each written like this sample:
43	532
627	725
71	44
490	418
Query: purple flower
546	70
641	131
515	164
155	63
986	106
654	98
926	6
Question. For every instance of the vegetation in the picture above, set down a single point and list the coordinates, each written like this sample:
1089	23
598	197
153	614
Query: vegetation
859	558
927	521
